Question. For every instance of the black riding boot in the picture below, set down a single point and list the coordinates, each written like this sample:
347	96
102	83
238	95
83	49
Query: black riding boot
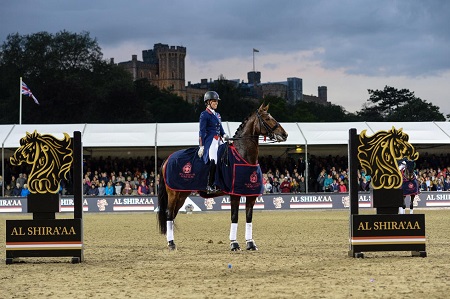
211	188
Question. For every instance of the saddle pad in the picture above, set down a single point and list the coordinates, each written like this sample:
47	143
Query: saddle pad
185	171
236	176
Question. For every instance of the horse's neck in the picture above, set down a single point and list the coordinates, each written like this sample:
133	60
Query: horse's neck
247	142
248	150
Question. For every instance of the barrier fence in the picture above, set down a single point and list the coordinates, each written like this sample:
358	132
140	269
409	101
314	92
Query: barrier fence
284	201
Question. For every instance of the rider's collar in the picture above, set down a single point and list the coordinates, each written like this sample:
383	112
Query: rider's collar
212	110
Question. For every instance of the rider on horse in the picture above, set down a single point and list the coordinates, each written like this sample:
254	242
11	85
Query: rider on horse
211	134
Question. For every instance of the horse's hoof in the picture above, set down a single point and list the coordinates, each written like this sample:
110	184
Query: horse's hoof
234	246
171	245
251	245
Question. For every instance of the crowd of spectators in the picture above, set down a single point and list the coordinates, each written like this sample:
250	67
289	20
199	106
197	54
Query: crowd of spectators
118	176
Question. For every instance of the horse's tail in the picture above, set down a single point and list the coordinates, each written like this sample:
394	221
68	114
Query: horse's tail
162	202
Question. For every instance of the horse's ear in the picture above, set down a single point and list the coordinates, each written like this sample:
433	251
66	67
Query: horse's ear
261	107
267	107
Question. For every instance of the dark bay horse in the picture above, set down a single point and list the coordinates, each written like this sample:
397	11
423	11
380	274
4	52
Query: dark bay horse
246	142
410	185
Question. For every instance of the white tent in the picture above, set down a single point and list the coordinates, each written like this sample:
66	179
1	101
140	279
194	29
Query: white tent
167	137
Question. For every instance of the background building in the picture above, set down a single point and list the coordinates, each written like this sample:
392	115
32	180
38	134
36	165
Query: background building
164	66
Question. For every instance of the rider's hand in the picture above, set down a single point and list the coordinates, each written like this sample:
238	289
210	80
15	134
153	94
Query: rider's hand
226	138
200	151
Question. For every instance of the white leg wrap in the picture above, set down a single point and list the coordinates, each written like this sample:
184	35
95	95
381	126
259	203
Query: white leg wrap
411	211
233	231
248	231
169	233
401	210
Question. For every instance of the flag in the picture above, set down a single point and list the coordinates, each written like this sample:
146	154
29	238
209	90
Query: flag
255	50
26	91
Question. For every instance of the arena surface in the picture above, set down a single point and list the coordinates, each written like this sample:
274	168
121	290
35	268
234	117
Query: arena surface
303	254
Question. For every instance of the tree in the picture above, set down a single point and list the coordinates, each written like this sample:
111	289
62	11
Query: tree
391	104
67	74
417	110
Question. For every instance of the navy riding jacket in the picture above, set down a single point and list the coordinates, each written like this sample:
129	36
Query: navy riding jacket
210	127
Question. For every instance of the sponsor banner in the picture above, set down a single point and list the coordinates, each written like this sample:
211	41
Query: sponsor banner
387	232
13	205
67	205
44	238
225	203
436	199
281	201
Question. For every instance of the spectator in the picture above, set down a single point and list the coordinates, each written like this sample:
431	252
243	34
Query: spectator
342	187
301	166
127	190
13	182
151	188
321	181
335	186
275	185
267	187
142	189
118	188
447	183
8	191
24	192
134	189
285	186
17	190
294	185
86	186
327	183
364	184
21	180
302	185
93	191
101	188
109	189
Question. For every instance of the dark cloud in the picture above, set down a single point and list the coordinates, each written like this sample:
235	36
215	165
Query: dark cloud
374	38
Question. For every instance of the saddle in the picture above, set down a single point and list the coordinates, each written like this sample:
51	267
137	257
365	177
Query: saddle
185	171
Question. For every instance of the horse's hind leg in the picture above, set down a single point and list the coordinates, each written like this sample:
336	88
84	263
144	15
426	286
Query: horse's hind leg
401	210
176	201
411	204
251	245
234	203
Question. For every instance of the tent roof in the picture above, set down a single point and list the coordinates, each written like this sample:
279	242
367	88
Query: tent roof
186	134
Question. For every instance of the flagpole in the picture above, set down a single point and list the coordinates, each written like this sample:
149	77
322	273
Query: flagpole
20	107
253	60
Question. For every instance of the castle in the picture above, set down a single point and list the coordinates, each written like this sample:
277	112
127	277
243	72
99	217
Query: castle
164	66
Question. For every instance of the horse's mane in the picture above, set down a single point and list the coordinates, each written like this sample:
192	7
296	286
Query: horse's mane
379	153
242	125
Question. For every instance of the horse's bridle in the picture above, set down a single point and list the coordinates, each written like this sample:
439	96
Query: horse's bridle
269	130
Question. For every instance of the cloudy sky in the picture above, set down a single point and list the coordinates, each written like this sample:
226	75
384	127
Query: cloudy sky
347	45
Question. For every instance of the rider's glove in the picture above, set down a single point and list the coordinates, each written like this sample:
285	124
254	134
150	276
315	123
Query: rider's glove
200	151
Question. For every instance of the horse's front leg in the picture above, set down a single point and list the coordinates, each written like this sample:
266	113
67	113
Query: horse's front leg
234	203
249	204
411	204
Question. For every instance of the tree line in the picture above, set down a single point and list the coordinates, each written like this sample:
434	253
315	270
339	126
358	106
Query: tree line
74	84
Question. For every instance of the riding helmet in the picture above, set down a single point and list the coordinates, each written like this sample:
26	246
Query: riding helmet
211	95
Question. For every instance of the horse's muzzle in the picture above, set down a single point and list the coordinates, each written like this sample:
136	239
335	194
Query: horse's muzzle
281	138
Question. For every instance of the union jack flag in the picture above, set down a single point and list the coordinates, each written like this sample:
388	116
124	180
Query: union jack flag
26	91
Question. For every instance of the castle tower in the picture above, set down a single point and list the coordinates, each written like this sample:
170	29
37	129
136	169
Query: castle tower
322	90
170	65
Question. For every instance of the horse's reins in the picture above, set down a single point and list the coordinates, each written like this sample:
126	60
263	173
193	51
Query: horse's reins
270	130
